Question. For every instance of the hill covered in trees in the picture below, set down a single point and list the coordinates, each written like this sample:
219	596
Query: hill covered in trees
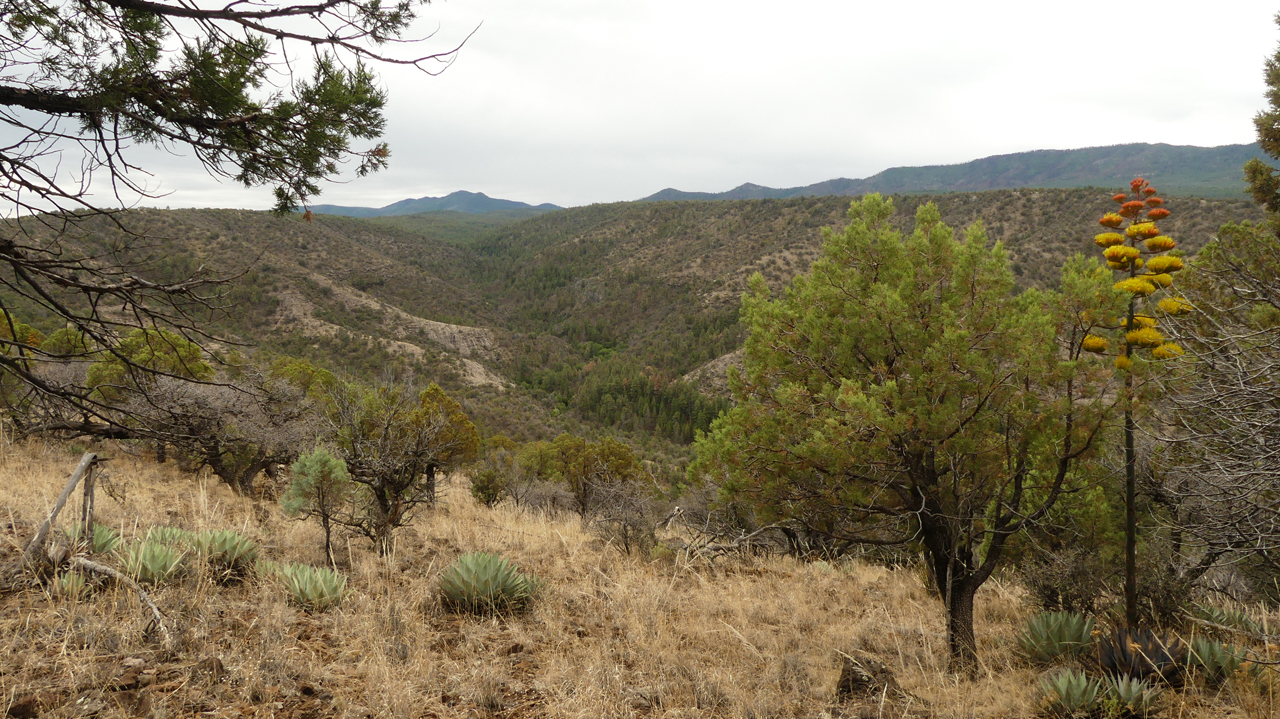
1200	171
583	318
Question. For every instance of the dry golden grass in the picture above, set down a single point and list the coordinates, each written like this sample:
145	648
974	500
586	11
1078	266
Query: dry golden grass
611	636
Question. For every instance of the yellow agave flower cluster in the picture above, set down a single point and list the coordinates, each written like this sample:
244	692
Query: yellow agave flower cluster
1135	250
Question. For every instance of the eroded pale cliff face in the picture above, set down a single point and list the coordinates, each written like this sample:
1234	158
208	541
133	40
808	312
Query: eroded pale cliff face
712	378
468	347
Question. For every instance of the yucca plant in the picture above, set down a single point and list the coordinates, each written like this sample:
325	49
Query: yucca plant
1216	661
151	561
1145	655
1070	693
225	549
1052	635
1128	697
102	540
480	583
317	588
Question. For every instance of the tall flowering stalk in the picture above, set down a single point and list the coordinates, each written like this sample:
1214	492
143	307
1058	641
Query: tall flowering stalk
1134	247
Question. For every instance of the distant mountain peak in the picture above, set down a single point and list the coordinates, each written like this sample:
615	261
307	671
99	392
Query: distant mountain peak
473	203
1177	169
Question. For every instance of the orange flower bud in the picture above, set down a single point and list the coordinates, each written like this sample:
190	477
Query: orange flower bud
1120	197
1137	184
1158	213
1148	191
1154	202
1111	219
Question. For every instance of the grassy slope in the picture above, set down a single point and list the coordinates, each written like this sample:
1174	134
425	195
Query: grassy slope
741	637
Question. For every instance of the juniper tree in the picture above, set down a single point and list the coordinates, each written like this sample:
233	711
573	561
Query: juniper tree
321	488
267	93
395	442
902	393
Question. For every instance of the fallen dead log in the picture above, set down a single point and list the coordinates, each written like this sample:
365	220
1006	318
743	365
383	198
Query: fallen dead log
157	619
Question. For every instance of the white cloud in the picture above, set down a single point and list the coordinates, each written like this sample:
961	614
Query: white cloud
577	101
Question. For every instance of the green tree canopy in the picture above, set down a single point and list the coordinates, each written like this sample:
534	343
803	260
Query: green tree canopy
902	393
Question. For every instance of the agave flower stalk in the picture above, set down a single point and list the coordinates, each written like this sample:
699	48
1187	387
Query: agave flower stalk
1134	247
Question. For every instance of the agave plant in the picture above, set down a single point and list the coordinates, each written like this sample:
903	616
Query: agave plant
1070	693
1145	655
1234	618
225	549
1056	634
316	588
102	540
1218	662
1128	697
151	561
169	536
71	585
480	582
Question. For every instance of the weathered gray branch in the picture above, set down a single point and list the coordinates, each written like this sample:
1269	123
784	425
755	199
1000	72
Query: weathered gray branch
42	534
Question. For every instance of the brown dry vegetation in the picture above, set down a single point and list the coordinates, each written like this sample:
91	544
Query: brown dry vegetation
611	635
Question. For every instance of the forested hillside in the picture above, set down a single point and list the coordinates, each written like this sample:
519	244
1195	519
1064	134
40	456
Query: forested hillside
1183	170
587	315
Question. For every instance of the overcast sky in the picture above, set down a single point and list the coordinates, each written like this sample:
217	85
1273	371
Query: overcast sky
582	101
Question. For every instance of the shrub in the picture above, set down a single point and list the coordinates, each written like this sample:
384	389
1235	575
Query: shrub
1056	634
1070	693
488	486
151	561
1070	580
481	583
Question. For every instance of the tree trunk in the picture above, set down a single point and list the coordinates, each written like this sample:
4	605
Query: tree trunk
961	643
328	543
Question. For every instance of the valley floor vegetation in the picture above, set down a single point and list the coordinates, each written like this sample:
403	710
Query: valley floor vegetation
671	633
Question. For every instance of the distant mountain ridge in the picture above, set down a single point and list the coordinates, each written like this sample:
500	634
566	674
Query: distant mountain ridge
473	203
1176	169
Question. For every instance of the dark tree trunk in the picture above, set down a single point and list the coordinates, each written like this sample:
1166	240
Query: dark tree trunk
962	646
328	541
